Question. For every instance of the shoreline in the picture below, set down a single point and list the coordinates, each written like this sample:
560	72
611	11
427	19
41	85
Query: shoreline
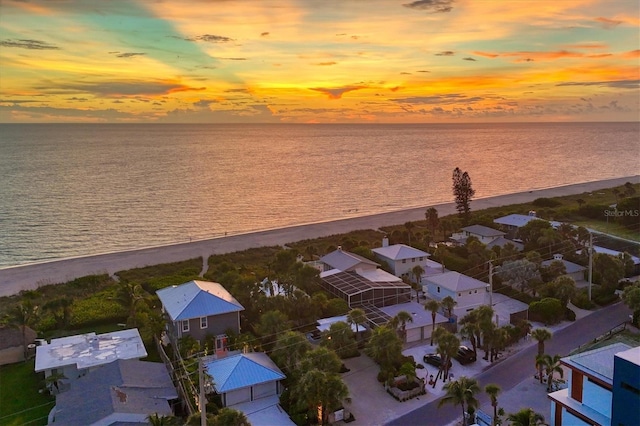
14	279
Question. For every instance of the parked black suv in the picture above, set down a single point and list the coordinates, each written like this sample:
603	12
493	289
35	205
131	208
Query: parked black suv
465	355
434	359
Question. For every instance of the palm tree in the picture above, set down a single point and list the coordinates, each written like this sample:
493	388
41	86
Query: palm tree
230	417
541	363
431	215
541	335
525	417
160	420
470	330
461	392
356	316
552	366
401	319
321	392
24	315
433	306
129	295
448	303
409	226
493	390
448	345
290	348
384	347
417	272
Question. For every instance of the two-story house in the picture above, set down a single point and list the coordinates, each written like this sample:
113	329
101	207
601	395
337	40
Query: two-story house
468	292
199	309
401	258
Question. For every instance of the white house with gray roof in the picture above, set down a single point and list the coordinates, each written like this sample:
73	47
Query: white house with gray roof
401	258
75	356
199	309
121	392
468	292
484	234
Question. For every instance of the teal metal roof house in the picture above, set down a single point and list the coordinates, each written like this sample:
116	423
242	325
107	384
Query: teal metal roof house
245	377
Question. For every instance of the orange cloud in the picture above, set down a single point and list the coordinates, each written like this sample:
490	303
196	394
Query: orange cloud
631	54
486	54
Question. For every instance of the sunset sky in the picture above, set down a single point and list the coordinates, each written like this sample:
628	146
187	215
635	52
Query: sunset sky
324	61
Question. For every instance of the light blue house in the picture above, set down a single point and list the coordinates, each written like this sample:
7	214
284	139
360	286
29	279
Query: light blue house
245	377
199	309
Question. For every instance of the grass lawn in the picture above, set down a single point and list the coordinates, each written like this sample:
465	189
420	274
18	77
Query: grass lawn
20	402
610	228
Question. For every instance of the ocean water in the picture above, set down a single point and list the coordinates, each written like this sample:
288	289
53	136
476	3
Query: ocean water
78	189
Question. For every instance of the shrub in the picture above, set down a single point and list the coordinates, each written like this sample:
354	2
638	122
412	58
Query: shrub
95	310
603	297
581	300
546	202
547	311
569	315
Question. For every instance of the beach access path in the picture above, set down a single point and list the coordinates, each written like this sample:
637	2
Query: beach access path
28	277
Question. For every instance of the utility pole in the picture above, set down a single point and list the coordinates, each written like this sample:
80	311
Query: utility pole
590	262
491	284
202	398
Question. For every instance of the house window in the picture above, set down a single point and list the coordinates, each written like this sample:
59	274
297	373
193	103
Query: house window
459	294
475	291
185	325
404	260
421	259
438	289
469	292
413	259
203	322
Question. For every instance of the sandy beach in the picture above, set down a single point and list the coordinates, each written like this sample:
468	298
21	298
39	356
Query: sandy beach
27	277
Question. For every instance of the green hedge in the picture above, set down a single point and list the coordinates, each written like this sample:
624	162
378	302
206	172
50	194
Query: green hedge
98	309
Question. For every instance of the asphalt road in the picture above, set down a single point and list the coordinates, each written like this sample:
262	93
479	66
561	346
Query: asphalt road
521	365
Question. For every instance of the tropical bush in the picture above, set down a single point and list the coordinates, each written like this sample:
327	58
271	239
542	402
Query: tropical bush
95	310
547	311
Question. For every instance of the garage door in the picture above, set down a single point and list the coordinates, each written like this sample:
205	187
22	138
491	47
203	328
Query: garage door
414	334
238	396
265	389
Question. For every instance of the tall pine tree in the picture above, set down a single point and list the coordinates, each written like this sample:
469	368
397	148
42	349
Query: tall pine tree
463	193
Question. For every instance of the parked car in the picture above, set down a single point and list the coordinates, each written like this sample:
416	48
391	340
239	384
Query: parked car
465	355
434	359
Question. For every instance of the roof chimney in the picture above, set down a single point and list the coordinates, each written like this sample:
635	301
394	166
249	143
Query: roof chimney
385	241
532	213
339	248
557	257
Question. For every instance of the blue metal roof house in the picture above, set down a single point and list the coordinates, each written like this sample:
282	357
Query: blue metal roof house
245	377
200	308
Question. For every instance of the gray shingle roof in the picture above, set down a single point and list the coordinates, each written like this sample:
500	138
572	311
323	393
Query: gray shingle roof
196	299
456	281
123	386
483	231
399	252
343	260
